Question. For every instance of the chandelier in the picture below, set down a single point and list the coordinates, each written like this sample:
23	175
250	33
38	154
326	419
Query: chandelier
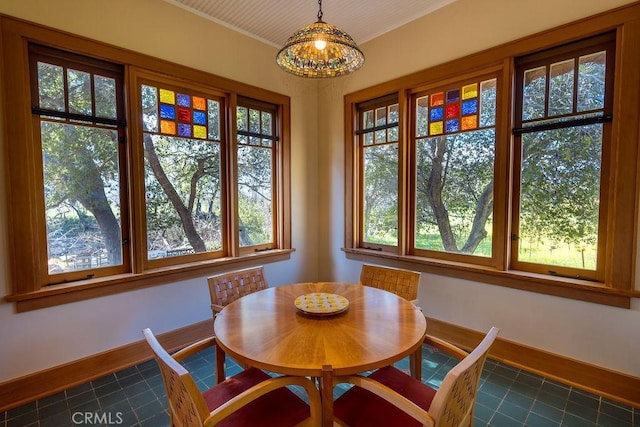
320	50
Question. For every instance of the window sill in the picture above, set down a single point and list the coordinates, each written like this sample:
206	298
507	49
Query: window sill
562	287
52	295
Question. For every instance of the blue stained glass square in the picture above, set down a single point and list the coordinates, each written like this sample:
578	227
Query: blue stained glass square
436	114
167	111
453	125
184	129
453	95
469	107
199	117
183	100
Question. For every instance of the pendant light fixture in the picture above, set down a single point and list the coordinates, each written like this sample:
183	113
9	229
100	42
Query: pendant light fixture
320	50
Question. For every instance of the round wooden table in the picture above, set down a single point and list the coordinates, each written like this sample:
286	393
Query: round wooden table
267	331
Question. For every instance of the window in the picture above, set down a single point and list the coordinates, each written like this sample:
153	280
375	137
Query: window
256	154
378	157
563	131
123	177
454	149
516	168
77	104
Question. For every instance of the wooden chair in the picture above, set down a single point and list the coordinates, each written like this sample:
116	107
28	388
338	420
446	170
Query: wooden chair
249	398
389	397
403	283
228	287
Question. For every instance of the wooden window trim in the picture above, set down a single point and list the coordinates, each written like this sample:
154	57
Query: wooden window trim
618	286
27	290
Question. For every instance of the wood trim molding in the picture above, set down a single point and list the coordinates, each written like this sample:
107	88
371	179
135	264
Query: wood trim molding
28	388
613	385
594	379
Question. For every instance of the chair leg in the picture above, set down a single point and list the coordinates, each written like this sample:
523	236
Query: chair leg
415	363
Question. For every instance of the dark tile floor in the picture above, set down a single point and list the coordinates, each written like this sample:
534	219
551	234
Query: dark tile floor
507	397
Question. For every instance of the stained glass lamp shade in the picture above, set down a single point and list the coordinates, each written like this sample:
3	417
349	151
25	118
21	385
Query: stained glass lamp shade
320	50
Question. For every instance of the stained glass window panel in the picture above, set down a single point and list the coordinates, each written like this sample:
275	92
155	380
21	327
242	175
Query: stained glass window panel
168	127
184	114
469	122
437	99
51	87
453	125
167	96
167	112
105	97
469	107
200	132
199	103
183	100
591	81
453	110
199	118
436	128
561	87
534	94
453	95
184	129
436	114
470	91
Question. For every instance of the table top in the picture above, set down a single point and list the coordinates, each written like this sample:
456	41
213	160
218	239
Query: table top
265	330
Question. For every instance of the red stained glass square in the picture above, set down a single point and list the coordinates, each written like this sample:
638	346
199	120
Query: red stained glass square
453	110
437	99
184	114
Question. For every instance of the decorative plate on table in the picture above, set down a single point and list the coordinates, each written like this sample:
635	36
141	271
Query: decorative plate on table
322	304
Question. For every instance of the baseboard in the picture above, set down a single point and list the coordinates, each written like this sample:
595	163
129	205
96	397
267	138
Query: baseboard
611	384
614	385
31	387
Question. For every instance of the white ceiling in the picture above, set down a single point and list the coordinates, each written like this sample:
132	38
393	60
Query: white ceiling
273	21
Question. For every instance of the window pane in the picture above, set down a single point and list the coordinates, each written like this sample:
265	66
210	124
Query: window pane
105	91
267	123
183	195
79	84
591	81
534	93
149	108
50	87
82	196
422	116
488	103
381	194
255	195
367	119
214	119
454	192
242	118
561	88
560	197
254	121
381	116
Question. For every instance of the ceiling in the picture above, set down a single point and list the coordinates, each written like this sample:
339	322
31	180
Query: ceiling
273	21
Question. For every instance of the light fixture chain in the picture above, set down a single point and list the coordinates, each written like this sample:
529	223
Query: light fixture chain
320	11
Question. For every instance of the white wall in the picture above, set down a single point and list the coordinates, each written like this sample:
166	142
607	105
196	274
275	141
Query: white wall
601	335
40	339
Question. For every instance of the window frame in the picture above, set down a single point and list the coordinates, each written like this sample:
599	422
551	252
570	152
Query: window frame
618	286
22	154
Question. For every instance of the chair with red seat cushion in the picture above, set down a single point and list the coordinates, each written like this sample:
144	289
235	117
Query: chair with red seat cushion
389	397
250	398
